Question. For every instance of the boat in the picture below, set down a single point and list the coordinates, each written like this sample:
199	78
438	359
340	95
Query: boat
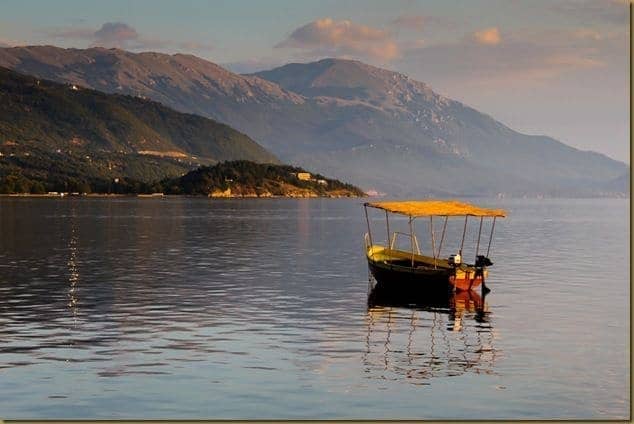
407	269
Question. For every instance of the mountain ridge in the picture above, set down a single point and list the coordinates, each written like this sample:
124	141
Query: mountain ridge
374	127
44	125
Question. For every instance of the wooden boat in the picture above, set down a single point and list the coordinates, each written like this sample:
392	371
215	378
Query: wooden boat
413	271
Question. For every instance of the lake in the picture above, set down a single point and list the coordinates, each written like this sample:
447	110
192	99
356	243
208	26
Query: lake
257	308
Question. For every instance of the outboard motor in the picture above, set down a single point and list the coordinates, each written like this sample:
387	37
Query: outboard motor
482	261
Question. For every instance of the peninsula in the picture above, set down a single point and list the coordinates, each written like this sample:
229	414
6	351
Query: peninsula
249	179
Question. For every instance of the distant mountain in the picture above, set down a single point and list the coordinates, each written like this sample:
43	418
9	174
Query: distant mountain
52	132
439	134
376	128
617	185
183	82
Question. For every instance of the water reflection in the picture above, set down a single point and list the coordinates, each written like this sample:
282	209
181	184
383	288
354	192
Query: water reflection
147	287
442	336
73	269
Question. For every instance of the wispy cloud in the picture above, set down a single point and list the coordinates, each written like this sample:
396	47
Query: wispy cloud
8	42
520	57
116	34
252	65
342	38
411	22
487	36
124	36
421	23
611	11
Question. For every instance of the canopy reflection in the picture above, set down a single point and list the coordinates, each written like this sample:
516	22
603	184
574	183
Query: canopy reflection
442	336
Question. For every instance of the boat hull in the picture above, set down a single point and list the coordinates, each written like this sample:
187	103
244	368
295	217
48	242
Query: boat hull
410	278
460	300
389	268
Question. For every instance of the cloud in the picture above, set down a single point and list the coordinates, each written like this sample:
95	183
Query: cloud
8	42
115	34
421	23
487	36
417	43
252	65
342	38
71	33
522	58
572	61
124	36
412	22
111	34
586	33
611	11
194	46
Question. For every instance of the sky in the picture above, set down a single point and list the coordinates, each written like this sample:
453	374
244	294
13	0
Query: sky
549	67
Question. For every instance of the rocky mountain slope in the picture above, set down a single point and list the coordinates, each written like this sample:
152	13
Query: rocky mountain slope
440	133
69	131
376	128
183	82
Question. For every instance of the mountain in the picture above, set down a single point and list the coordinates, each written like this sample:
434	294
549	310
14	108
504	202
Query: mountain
376	128
51	131
183	82
437	132
616	186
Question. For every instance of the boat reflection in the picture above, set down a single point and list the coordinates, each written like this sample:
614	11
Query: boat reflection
442	336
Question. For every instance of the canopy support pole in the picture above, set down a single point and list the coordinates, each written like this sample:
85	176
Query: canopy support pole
369	231
387	222
444	227
433	241
491	236
479	234
464	231
411	237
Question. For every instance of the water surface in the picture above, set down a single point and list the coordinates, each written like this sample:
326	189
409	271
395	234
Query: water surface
198	308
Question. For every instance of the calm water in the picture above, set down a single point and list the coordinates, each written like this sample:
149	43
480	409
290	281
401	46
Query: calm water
193	308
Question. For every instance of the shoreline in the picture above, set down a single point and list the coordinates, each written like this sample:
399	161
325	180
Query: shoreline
161	195
201	196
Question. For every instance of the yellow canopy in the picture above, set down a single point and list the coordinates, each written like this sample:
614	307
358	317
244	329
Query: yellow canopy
435	207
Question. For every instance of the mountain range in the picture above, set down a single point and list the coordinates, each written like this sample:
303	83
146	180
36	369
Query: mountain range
56	133
373	127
